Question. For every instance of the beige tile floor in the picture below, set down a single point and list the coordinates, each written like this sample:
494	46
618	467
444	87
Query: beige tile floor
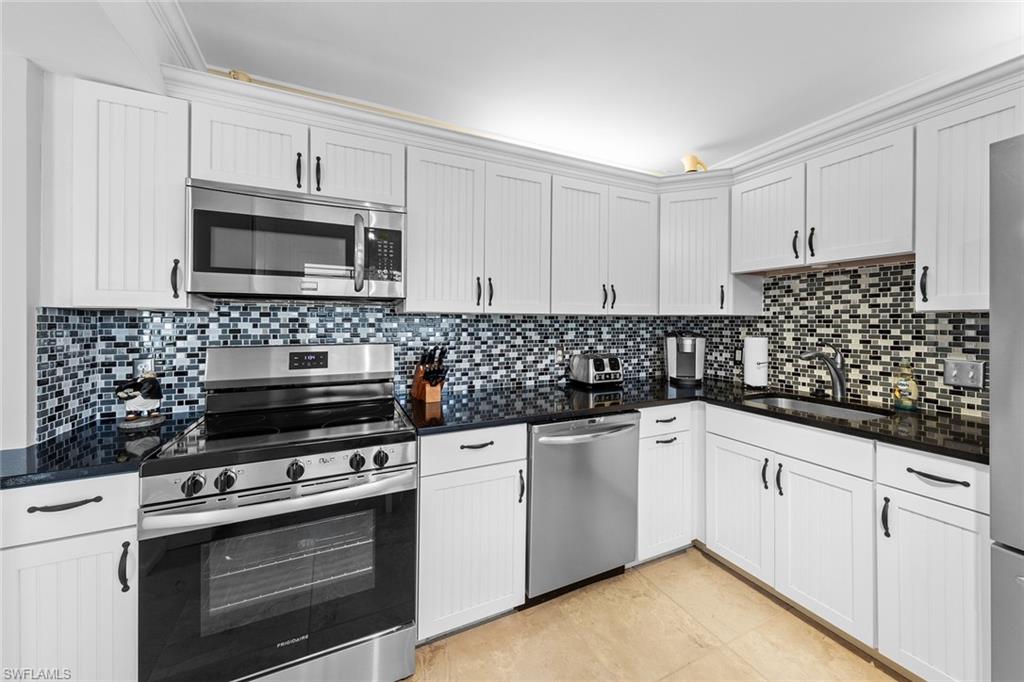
680	618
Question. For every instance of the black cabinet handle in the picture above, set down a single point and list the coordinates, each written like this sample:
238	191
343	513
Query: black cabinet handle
938	479
796	235
479	290
924	284
669	420
174	277
885	517
477	446
764	473
318	174
490	292
522	486
721	297
615	297
298	169
810	242
65	506
604	301
778	479
673	439
122	567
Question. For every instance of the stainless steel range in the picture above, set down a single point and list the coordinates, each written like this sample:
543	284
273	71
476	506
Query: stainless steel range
278	533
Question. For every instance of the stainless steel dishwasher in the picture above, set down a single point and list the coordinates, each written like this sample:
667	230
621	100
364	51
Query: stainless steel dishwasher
582	514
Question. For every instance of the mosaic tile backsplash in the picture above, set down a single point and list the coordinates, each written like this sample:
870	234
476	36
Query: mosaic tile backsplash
868	312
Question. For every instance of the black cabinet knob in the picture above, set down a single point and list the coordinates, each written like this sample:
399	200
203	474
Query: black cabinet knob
380	458
193	485
295	470
356	461
225	480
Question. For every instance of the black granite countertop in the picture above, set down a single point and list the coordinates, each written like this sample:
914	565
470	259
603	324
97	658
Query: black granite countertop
962	438
94	449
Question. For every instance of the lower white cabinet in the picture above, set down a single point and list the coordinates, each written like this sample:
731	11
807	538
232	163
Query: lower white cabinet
933	586
66	607
472	545
665	494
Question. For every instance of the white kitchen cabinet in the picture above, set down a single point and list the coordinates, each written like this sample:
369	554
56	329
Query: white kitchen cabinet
472	545
860	200
665	494
632	252
579	247
355	167
767	229
244	148
445	233
517	242
933	586
694	253
824	544
741	505
952	239
65	606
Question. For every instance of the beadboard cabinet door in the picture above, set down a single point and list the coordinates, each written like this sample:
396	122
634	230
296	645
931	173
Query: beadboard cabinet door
768	221
952	239
126	233
517	240
579	247
632	252
445	233
472	561
860	200
665	494
355	167
740	505
933	586
243	148
65	607
824	544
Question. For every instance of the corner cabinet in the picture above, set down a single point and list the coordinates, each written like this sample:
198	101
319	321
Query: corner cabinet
768	221
952	242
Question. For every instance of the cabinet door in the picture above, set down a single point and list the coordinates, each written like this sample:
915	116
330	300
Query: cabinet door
953	201
445	233
579	255
632	252
472	562
695	278
355	167
249	149
65	606
860	200
768	221
665	494
128	215
518	240
933	586
824	544
741	502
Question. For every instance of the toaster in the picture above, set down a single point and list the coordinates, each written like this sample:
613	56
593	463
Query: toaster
594	369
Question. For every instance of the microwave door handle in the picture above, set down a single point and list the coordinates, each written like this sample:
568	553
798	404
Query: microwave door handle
360	251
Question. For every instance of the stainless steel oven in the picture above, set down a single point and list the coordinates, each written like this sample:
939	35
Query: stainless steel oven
258	243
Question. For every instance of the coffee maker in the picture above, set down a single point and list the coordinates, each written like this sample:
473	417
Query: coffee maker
684	359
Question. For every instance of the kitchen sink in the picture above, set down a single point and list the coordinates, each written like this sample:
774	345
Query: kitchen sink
823	409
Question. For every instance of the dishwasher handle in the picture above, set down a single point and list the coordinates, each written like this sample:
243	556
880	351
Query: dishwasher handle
585	437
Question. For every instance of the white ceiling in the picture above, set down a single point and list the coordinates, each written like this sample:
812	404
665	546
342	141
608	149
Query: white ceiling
633	84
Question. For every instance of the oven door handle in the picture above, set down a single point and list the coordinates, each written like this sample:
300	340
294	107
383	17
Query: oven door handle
165	524
360	251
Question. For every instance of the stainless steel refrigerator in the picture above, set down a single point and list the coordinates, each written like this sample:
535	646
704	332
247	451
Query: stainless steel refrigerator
1007	416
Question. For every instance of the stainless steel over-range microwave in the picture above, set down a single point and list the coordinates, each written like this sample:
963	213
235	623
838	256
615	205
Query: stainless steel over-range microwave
252	242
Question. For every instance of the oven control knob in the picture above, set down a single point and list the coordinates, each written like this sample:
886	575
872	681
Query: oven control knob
193	484
225	480
295	470
356	461
380	458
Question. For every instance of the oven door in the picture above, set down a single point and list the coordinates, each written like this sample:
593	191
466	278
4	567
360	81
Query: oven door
229	600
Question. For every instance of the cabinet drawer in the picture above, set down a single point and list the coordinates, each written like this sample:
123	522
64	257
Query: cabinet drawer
894	462
116	507
655	421
468	449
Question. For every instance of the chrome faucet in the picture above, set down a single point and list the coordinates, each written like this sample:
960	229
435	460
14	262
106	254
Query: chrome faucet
836	366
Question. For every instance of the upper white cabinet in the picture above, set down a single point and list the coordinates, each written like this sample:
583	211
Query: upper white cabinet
243	148
632	252
355	167
579	246
445	233
694	254
768	221
952	242
117	165
517	240
860	200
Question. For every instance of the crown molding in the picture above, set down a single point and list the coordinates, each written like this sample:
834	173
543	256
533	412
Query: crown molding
180	38
718	177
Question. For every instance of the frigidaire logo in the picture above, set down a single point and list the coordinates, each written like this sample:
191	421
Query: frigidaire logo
293	640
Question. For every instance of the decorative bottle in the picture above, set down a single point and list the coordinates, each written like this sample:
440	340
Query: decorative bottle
904	388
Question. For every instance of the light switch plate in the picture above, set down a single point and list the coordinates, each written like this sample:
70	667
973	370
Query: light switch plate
964	373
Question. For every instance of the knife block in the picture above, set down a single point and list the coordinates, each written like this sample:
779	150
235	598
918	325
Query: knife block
422	390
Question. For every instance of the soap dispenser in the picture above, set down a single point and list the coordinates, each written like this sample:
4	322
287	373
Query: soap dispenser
904	388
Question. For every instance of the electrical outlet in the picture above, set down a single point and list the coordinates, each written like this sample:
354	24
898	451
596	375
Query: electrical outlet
142	365
963	373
